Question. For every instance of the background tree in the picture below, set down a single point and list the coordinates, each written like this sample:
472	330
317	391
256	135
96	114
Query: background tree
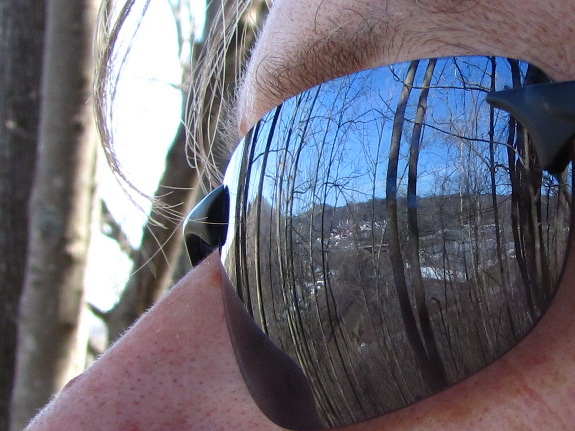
48	264
60	209
21	45
185	177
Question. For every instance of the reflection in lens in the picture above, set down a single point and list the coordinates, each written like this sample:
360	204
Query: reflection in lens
393	234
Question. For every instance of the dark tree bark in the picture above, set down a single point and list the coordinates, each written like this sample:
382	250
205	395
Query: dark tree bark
21	45
156	260
60	212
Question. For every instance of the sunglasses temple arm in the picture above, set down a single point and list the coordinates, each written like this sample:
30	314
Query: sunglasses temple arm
547	111
206	226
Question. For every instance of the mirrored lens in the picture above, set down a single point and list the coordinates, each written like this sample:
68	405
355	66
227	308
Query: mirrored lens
393	234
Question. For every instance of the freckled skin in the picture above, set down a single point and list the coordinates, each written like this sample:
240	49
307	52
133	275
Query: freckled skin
175	369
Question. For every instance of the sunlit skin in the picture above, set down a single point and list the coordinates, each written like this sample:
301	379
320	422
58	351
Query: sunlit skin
175	369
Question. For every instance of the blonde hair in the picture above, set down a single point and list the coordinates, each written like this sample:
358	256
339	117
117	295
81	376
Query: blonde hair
217	65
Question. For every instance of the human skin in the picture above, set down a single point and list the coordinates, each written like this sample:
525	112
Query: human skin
175	369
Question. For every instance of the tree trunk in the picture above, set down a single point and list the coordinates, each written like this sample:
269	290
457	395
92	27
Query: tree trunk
60	210
181	184
21	44
162	241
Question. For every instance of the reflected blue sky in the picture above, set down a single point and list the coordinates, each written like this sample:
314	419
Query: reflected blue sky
330	145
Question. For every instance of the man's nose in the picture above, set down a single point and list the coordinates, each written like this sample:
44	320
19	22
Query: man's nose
175	367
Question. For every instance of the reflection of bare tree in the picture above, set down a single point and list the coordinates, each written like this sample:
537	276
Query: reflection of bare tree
433	356
425	348
528	203
383	295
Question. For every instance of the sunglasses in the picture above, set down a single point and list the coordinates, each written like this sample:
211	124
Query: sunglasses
390	233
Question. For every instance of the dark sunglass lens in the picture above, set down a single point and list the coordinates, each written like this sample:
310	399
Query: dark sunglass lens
392	233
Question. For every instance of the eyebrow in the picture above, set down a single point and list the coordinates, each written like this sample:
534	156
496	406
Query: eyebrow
346	49
357	42
282	75
312	62
318	58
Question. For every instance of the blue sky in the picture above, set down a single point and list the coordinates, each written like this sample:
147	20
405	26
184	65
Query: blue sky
347	125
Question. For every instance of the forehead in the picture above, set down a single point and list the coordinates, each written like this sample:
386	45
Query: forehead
306	42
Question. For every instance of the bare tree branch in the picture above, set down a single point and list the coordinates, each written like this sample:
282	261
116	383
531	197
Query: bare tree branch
113	230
